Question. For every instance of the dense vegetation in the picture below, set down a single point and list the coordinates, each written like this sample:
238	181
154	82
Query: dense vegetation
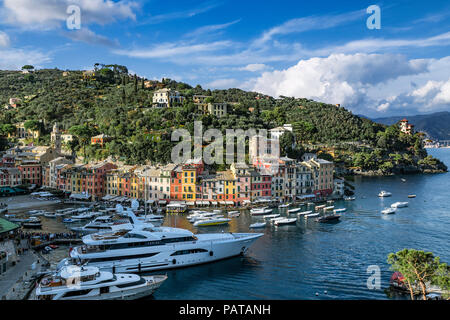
120	105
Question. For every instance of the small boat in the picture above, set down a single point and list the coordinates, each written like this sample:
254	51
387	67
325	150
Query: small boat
329	218
51	215
389	211
384	194
234	214
349	198
294	210
211	222
258	225
317	208
32	223
328	208
68	220
312	215
411	196
93	284
284	205
399	205
36	213
304	213
275	219
340	210
285	221
403	180
10	215
260	211
271	216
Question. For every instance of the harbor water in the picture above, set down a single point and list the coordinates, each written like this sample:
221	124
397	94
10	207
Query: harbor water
312	260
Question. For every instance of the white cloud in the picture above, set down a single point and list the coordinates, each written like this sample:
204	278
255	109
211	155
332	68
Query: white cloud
87	36
14	59
309	23
254	67
4	40
172	50
49	14
355	81
207	30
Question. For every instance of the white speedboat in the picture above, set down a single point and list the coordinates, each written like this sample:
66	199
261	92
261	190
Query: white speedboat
389	211
51	215
304	213
384	194
211	222
411	196
146	248
285	221
349	198
85	215
284	205
271	216
32	223
295	210
399	205
318	208
260	211
89	283
36	213
340	210
102	224
234	214
312	215
258	225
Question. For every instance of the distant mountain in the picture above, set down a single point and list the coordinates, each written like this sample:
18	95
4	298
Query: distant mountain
436	125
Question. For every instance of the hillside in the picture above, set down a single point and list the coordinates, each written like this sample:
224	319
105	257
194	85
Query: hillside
118	104
436	125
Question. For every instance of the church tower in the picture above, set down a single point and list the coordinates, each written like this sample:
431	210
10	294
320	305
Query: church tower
55	138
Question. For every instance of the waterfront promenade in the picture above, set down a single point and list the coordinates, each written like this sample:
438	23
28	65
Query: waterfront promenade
15	282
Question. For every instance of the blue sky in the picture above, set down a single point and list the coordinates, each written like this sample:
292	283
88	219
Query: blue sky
321	50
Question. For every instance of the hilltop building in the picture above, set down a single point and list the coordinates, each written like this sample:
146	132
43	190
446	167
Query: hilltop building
406	127
166	98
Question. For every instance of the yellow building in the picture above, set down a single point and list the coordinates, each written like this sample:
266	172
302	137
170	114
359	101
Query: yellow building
188	182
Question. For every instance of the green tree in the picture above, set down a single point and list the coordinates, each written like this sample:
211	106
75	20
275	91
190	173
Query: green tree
83	133
418	267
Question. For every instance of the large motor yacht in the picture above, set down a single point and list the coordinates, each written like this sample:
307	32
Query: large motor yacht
148	248
89	283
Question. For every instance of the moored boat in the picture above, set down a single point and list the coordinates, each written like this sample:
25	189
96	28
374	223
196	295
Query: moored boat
294	210
389	211
329	218
399	205
260	211
211	222
285	221
89	283
339	210
258	225
411	196
349	198
384	194
304	213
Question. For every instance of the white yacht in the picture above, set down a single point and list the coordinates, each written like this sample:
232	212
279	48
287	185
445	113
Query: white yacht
384	194
294	210
284	221
399	205
148	248
213	221
260	211
89	283
103	224
85	215
389	211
